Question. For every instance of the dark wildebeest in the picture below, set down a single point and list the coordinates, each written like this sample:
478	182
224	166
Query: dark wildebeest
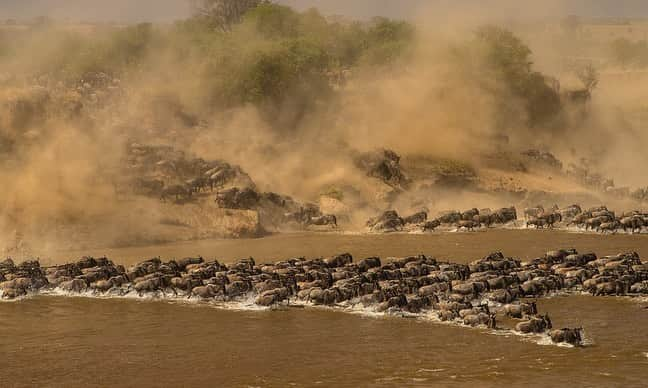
325	220
177	191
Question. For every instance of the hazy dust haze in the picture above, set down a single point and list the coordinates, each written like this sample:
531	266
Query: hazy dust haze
438	99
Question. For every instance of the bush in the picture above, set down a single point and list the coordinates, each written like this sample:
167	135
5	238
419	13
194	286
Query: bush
387	41
509	59
274	21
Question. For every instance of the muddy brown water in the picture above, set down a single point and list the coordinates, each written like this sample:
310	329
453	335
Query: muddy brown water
459	246
76	341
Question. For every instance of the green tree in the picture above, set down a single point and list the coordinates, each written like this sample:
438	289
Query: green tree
387	40
223	14
508	58
506	54
274	21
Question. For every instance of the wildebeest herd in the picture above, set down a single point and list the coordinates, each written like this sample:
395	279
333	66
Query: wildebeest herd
168	174
286	209
599	219
172	176
487	292
390	221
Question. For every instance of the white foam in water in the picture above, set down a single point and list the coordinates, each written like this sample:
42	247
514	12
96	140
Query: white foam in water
246	304
12	300
352	233
640	299
542	339
423	370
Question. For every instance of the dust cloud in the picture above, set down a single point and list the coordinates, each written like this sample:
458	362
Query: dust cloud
63	146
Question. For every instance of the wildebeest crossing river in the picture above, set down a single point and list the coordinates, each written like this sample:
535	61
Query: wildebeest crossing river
83	341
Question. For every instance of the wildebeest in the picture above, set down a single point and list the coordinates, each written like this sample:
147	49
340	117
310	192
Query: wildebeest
533	212
534	325
449	217
468	224
417	218
570	336
552	219
546	220
196	185
431	225
570	212
324	220
389	221
519	310
505	215
610	227
634	223
470	214
176	191
537	222
480	319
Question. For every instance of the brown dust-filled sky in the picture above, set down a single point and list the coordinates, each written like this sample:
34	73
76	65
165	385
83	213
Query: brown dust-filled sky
168	10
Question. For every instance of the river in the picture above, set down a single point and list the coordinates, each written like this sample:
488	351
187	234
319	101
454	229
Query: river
77	341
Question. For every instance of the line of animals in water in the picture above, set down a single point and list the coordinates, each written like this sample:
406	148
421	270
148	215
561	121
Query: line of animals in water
599	219
487	292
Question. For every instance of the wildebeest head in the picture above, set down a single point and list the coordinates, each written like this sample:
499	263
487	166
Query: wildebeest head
547	321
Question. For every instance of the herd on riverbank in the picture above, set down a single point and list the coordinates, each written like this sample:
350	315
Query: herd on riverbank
173	176
488	292
597	219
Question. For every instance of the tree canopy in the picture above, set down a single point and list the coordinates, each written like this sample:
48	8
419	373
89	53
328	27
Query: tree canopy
238	52
223	14
509	59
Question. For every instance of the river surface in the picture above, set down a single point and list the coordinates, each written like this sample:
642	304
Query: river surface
80	342
457	246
